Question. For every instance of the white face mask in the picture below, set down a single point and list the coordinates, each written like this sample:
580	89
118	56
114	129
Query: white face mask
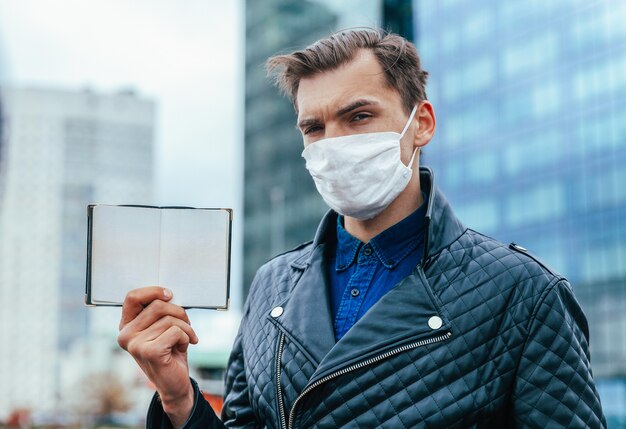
359	175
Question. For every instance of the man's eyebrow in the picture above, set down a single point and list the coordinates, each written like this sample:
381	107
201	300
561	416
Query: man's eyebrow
340	112
307	122
355	105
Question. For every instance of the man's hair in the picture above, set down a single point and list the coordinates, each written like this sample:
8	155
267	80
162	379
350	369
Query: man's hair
396	56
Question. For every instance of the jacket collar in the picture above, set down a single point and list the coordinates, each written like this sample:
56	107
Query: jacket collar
401	314
441	224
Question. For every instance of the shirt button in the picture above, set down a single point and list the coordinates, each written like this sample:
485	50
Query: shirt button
276	312
367	250
435	322
355	292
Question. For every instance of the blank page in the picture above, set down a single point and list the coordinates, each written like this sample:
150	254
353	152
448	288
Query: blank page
195	256
125	248
184	249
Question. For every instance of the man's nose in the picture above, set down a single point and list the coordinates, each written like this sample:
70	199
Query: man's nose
335	130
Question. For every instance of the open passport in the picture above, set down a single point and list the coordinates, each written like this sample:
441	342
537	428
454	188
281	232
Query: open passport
184	249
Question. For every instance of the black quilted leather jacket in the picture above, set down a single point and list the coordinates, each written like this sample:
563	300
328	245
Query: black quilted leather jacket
481	335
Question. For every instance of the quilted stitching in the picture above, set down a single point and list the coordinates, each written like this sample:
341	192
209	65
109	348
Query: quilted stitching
511	321
300	370
570	383
518	354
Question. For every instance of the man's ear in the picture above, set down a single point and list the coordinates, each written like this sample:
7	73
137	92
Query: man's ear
426	124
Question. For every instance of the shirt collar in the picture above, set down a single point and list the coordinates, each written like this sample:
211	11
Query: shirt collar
391	246
347	246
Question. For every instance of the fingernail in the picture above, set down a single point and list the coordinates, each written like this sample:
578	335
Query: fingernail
167	293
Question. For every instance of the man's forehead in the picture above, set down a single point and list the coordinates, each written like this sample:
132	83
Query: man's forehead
361	78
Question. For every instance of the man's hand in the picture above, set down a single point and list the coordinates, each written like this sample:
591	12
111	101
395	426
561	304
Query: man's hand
157	334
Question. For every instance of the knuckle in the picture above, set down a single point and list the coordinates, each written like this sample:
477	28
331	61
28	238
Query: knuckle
168	320
180	314
178	331
158	306
182	325
133	349
132	296
122	340
124	322
164	309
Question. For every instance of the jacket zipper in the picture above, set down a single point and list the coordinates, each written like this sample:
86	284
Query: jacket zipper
348	369
279	389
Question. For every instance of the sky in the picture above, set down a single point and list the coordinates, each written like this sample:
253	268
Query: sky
186	56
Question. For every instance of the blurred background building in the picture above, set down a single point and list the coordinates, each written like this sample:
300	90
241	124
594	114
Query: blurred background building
64	150
531	144
281	205
65	147
1	109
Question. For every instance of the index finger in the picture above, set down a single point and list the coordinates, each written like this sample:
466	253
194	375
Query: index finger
137	299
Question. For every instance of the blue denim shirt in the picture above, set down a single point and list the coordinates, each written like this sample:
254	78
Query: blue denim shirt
360	274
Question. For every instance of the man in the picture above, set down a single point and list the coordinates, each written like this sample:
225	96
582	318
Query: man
395	315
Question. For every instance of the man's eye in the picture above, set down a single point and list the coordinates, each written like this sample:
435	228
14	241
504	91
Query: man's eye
312	129
360	116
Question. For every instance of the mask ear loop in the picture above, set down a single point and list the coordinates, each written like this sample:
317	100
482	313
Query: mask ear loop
408	123
406	127
413	157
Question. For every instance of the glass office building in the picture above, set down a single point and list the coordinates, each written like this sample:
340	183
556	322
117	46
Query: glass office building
63	150
281	206
531	144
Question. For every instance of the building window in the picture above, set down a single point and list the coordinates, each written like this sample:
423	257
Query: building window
536	150
482	167
480	215
464	128
530	55
604	262
470	79
538	204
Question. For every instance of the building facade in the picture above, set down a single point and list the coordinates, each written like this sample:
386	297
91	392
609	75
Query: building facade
531	144
281	205
63	150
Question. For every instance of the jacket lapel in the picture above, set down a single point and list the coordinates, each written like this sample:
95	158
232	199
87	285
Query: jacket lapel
442	226
405	314
306	317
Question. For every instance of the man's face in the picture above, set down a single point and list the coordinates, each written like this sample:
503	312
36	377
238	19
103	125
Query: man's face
353	99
